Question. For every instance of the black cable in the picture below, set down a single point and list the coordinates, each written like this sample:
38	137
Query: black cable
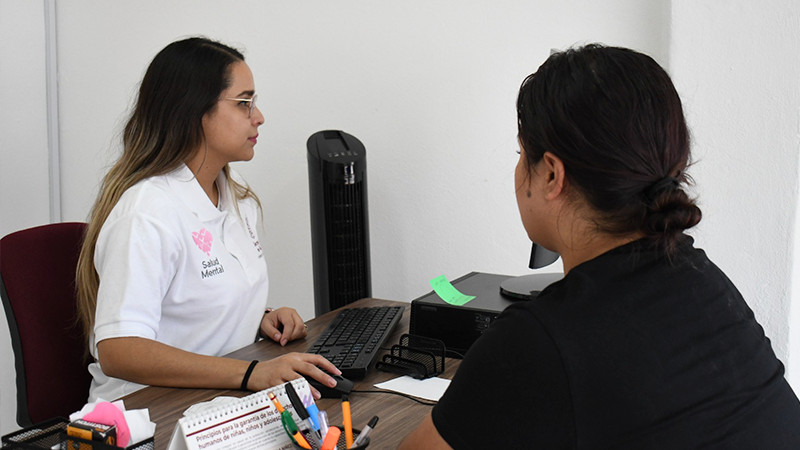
450	354
423	402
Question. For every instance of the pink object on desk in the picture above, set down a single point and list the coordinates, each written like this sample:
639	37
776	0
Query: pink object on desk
108	414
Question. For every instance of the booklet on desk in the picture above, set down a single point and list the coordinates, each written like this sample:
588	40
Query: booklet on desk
251	422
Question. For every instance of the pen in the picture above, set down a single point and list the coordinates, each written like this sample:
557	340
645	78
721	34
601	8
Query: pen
291	427
311	436
348	421
313	415
299	408
362	437
331	439
323	423
305	412
275	402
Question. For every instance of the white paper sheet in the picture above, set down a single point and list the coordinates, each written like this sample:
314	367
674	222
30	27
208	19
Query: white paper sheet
430	389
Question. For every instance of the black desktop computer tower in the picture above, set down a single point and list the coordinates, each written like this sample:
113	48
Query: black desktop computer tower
337	184
460	326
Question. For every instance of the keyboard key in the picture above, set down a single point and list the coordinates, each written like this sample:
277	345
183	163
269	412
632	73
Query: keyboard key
351	339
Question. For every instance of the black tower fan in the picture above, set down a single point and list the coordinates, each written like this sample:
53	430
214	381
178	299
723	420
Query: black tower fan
337	184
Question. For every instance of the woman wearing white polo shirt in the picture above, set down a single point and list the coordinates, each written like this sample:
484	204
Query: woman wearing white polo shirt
172	274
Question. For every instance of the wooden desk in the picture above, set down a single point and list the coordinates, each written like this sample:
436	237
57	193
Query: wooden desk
398	415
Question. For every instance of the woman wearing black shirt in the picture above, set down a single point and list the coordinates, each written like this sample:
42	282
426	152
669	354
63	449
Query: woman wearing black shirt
645	343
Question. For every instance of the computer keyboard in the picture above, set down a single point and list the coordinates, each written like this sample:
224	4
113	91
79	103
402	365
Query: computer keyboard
354	338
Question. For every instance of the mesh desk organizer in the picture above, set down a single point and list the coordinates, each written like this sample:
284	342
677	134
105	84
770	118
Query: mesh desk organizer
416	356
53	434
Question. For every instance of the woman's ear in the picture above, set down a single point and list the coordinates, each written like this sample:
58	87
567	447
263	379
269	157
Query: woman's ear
554	175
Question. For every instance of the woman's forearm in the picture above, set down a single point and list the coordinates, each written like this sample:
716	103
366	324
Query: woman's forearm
146	361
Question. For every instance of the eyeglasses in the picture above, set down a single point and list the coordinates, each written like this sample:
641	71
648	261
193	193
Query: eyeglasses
249	102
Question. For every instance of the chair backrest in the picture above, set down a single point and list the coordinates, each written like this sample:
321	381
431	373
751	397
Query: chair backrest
37	284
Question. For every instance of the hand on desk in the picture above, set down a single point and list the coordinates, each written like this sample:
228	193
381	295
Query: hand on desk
282	325
290	366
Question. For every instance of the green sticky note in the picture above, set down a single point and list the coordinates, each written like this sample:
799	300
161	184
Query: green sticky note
448	292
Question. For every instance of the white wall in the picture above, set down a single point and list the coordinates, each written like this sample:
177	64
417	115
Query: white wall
736	66
428	87
24	187
23	117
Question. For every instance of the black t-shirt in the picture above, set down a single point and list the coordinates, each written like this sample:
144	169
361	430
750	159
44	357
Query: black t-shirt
629	350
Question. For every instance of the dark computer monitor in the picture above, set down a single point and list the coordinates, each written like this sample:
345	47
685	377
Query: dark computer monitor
528	287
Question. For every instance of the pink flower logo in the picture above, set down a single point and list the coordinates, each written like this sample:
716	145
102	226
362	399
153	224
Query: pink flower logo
203	240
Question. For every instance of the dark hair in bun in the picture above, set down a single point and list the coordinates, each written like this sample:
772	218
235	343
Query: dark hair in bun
613	116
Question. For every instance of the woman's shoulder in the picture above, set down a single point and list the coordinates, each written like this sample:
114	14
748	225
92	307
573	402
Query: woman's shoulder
157	199
151	195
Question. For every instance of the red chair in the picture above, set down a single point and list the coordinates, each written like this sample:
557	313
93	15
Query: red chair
37	285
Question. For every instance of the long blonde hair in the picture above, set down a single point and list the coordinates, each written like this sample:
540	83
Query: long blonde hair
181	85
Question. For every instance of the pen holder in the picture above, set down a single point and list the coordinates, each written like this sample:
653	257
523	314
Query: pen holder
342	444
52	434
42	435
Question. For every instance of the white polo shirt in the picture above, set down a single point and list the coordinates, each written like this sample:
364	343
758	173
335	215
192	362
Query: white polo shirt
176	269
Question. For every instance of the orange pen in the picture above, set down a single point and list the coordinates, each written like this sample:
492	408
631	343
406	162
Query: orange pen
348	422
275	402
